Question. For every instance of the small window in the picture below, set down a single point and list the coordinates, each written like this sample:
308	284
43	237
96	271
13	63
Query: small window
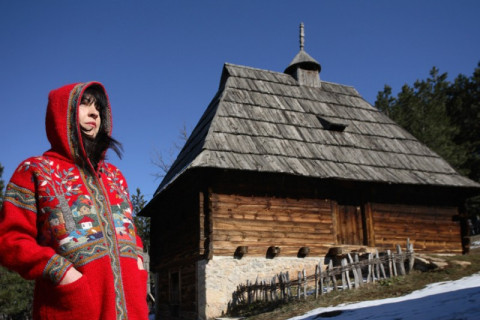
331	125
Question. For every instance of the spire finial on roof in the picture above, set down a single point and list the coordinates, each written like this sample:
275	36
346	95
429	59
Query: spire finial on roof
302	37
304	68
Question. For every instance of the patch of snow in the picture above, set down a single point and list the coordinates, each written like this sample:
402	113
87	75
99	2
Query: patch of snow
448	300
475	244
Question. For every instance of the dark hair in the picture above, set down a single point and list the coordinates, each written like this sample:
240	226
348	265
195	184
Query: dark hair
96	147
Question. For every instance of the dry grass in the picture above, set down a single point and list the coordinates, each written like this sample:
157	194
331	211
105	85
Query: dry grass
394	287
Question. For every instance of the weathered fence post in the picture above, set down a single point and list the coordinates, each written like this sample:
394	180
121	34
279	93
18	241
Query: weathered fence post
402	260
376	262
320	275
411	255
327	279
389	261
299	284
371	268
359	270
345	274
354	271
304	284
330	277
380	263
394	264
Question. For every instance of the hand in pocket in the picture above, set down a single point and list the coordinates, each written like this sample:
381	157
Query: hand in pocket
72	275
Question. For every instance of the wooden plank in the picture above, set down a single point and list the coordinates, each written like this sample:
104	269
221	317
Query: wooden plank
429	228
350	225
266	208
228	198
229	224
286	217
334	215
236	235
369	224
260	222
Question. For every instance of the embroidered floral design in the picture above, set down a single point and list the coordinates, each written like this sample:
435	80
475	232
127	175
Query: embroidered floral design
122	212
57	185
63	225
116	184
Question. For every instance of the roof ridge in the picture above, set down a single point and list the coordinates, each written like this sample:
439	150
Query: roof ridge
279	73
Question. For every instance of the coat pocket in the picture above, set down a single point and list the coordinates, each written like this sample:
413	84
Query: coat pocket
73	301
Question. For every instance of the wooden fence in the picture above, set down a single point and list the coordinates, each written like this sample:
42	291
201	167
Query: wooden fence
353	272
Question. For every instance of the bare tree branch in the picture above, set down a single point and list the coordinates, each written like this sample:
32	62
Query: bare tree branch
164	162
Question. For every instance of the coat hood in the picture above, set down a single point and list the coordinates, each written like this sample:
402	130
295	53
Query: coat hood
62	125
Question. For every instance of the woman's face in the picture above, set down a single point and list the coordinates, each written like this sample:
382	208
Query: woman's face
89	117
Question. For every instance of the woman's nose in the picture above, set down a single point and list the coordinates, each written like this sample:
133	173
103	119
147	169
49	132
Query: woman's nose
93	112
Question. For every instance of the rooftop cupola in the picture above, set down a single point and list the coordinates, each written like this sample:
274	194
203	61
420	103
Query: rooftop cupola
303	67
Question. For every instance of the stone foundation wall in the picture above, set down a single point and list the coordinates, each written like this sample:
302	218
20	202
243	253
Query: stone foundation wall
218	278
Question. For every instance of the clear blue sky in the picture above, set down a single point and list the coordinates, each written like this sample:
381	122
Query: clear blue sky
161	61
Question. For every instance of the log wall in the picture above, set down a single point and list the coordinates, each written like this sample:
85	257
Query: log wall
430	229
260	222
175	250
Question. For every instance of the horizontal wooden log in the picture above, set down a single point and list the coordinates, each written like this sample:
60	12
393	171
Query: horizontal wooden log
414	232
416	226
264	207
392	208
248	225
446	222
252	235
430	229
271	201
275	216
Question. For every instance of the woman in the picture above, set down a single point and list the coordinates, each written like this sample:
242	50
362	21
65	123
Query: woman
66	220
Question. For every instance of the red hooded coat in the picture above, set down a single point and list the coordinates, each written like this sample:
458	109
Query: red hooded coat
57	215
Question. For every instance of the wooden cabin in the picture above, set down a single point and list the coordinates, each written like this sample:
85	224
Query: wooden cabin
281	168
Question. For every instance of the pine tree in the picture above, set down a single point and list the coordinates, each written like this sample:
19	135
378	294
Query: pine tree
422	111
464	110
385	102
141	223
444	116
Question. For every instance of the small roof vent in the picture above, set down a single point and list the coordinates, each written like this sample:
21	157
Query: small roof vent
332	124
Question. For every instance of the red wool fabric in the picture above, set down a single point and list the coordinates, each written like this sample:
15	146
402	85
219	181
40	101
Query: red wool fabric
57	215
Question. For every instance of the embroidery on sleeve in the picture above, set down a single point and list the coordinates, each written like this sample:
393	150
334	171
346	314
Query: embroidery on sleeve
20	197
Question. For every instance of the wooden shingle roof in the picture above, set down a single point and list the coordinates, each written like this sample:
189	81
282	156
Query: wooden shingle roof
265	121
